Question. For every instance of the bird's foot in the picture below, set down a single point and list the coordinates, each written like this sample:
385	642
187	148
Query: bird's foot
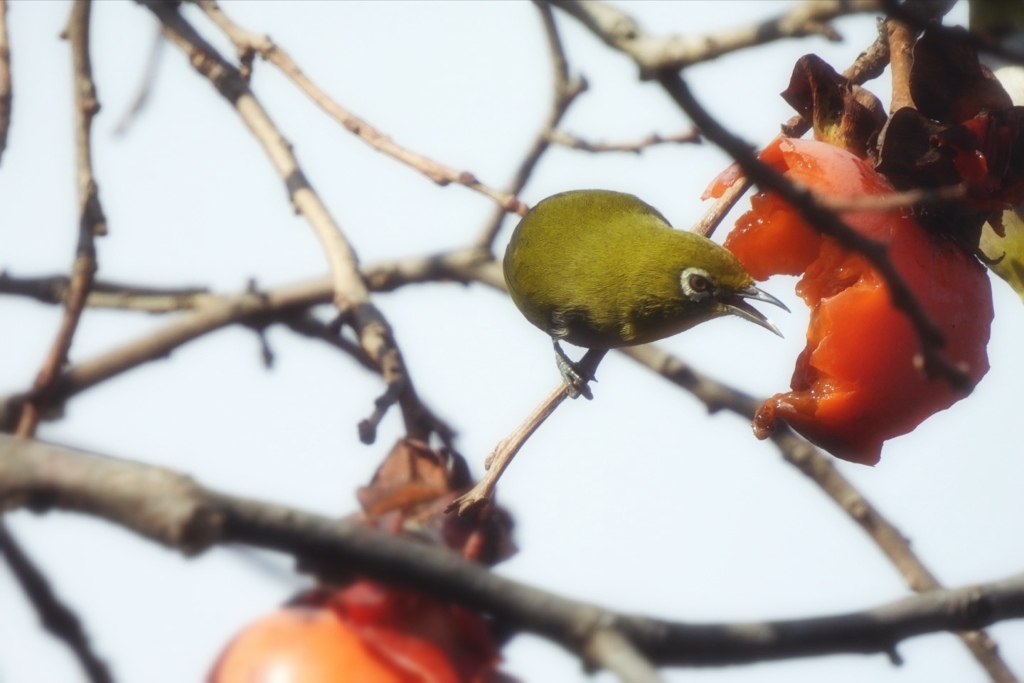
575	377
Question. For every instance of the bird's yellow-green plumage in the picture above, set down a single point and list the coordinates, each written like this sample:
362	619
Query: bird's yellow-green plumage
603	269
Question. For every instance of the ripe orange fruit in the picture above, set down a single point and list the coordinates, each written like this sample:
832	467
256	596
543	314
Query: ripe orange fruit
856	383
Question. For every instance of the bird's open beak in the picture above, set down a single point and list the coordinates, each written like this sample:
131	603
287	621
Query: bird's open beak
737	305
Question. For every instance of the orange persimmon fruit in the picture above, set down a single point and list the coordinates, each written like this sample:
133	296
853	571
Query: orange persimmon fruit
857	382
301	645
363	633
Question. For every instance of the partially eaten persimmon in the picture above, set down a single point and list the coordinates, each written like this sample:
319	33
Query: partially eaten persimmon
858	381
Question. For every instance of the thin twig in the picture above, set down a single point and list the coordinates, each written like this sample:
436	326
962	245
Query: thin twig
481	495
146	83
460	265
248	42
566	89
54	289
287	305
869	65
250	307
174	510
560	137
717	212
308	325
6	91
55	616
91	222
211	312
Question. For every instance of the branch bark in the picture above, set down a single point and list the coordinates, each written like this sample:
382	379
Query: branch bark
55	616
249	43
91	222
178	512
351	296
6	91
566	88
653	53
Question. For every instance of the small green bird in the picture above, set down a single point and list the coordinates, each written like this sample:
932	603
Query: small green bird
602	270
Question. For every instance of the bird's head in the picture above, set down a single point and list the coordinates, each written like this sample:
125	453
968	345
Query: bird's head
713	279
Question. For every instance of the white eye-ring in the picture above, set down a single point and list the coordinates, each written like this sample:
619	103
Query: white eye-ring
697	285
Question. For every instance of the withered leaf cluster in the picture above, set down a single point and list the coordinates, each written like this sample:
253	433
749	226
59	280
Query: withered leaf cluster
962	129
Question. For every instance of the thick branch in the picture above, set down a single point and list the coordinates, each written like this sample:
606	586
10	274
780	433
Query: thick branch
672	53
174	510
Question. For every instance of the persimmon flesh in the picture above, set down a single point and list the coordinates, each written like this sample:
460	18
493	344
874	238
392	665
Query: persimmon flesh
857	381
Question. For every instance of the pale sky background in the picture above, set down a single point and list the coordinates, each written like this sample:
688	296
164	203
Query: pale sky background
637	500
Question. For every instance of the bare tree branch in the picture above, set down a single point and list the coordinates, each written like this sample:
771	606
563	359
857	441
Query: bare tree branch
901	55
91	222
6	92
248	43
868	65
287	303
819	468
211	312
146	83
499	460
611	650
248	308
460	265
672	53
571	141
566	89
56	617
55	289
351	296
176	511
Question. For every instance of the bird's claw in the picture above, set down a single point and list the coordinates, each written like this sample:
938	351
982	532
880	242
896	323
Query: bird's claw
576	379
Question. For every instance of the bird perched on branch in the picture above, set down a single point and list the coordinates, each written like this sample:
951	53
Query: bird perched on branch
602	270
